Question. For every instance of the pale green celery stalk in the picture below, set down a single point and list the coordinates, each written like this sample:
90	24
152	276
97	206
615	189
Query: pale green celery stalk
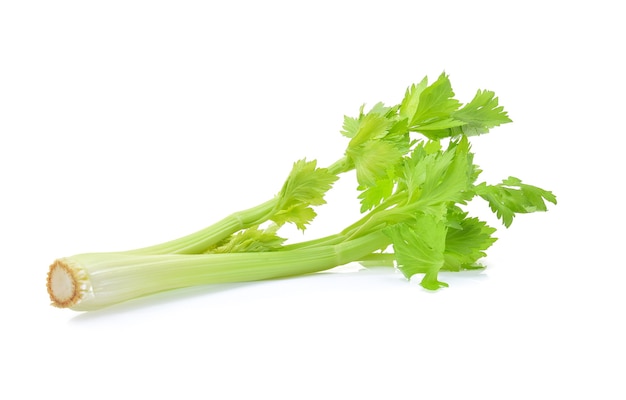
372	221
92	281
198	242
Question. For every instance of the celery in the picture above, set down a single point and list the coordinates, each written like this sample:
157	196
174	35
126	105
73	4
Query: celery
412	192
92	281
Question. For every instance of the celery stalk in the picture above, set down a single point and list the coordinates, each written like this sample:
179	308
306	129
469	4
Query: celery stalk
198	242
92	281
287	199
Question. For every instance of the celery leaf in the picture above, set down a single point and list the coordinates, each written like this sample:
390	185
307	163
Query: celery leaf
305	186
466	241
481	114
411	100
436	103
419	248
514	197
373	195
252	239
374	160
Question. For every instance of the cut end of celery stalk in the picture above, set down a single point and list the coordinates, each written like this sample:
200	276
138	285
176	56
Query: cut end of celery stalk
67	283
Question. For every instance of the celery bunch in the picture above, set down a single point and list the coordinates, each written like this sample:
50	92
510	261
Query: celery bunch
415	172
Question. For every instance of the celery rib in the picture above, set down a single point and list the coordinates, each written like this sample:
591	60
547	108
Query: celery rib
198	242
110	278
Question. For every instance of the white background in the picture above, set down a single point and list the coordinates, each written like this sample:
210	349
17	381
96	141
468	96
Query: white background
127	123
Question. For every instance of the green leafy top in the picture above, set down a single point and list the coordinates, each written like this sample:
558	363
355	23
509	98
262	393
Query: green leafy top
410	188
418	209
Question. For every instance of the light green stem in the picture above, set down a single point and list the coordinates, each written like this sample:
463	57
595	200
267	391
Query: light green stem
200	241
111	278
